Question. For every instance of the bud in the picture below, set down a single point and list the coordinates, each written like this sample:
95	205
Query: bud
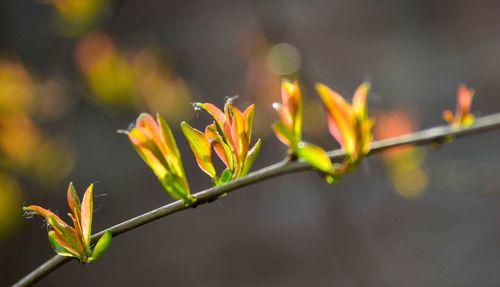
154	142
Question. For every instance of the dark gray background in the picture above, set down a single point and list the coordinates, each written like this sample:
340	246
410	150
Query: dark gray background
294	230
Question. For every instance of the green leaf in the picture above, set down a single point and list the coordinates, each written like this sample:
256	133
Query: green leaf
175	187
315	156
201	147
101	246
225	177
167	136
173	155
251	156
284	135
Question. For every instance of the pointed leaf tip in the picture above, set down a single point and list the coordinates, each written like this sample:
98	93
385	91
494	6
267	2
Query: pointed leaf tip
73	201
168	140
101	246
251	156
359	100
87	209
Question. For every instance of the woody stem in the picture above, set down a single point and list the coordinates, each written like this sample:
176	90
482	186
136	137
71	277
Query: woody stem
434	135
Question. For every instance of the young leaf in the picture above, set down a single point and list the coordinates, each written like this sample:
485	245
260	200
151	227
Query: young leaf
66	237
284	114
462	116
225	177
172	155
221	118
175	187
248	115
468	120
154	142
67	240
59	249
73	200
238	136
47	214
315	156
87	211
282	133
252	155
292	100
229	136
220	150
201	147
219	145
349	124
101	246
340	117
359	100
448	116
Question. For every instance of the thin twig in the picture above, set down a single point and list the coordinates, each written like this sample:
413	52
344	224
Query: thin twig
434	135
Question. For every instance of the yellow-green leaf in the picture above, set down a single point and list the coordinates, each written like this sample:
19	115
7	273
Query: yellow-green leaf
292	101
159	169
359	100
176	187
468	120
315	156
239	138
101	246
251	156
173	155
225	177
248	115
201	147
283	134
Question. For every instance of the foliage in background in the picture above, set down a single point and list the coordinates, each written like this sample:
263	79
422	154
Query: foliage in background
405	164
10	204
75	17
26	150
136	79
462	116
131	79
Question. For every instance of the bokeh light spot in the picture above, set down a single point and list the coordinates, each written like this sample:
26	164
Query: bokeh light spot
283	59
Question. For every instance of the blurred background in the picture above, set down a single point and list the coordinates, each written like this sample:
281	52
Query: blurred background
72	72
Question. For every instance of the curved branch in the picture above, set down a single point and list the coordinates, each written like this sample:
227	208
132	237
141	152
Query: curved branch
434	135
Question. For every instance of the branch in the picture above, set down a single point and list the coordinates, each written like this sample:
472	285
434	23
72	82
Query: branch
434	135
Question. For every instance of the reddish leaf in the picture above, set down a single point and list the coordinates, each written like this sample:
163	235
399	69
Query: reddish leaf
87	211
